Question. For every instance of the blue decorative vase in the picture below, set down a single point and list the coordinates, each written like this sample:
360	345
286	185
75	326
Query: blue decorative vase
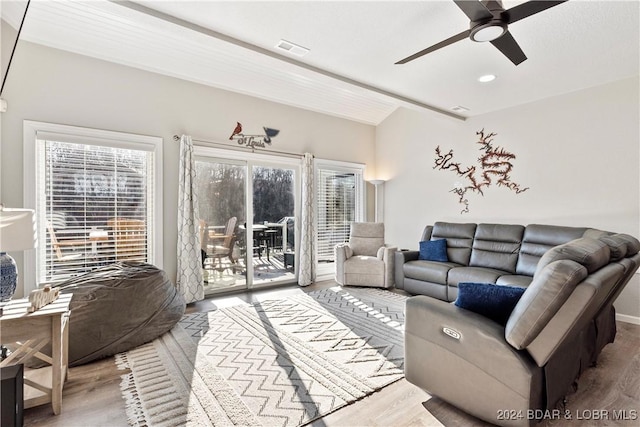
8	276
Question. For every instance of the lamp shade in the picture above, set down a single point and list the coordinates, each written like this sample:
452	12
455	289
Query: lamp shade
17	229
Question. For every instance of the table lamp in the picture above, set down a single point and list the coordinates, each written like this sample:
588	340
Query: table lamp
17	233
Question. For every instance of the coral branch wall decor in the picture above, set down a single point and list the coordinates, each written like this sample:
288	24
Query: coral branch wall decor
494	164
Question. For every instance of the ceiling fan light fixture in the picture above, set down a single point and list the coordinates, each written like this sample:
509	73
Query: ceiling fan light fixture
488	32
488	22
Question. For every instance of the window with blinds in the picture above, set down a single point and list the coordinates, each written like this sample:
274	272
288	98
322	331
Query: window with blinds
339	202
94	204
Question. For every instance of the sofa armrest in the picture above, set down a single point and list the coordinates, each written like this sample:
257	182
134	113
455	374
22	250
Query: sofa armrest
400	258
388	257
388	254
443	341
342	252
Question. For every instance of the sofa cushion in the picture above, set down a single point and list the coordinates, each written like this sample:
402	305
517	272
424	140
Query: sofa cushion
493	301
428	271
617	246
366	238
419	287
514	280
363	264
363	270
538	239
459	240
470	274
434	250
633	244
591	253
594	233
426	233
473	274
496	246
550	288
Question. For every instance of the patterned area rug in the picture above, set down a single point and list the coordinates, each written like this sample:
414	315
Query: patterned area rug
279	362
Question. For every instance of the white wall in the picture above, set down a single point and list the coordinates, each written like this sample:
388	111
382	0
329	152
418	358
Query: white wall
579	154
54	86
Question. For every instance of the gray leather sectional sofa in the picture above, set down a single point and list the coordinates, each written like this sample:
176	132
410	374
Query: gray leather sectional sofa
513	374
504	254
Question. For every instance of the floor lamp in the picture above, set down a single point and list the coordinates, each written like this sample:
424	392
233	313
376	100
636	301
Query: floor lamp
17	233
378	203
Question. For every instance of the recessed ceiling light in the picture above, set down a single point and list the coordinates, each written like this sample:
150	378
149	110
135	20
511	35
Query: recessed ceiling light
459	109
292	48
486	78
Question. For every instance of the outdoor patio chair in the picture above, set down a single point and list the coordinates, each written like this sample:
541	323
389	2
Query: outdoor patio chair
130	239
216	246
67	250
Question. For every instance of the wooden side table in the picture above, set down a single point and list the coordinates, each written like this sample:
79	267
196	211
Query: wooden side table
26	334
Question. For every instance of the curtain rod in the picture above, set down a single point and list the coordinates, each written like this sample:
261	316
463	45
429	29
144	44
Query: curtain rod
176	138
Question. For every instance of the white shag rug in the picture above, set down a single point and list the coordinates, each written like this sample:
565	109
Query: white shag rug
281	362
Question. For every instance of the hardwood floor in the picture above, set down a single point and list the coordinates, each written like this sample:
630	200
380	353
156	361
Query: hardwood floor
91	396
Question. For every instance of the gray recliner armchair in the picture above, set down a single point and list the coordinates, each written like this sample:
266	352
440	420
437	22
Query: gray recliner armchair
365	260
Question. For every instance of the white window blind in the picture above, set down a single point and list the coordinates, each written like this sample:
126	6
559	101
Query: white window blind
94	203
339	202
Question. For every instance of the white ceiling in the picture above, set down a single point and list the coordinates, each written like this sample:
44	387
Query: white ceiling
349	71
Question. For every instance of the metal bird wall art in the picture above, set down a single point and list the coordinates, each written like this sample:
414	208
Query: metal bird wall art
253	141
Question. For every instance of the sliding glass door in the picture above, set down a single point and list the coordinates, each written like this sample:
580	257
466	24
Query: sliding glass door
238	253
221	189
273	224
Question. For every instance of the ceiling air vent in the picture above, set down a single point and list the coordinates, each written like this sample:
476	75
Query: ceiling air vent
292	48
459	109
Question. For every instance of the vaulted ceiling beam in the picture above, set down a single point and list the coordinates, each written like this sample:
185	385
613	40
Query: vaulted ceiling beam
217	35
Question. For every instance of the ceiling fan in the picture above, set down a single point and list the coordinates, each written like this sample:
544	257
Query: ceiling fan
490	23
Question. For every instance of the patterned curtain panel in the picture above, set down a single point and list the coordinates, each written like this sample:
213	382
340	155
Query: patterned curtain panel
189	277
307	270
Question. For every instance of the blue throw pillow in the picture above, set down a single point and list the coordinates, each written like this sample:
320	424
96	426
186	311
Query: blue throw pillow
493	301
434	250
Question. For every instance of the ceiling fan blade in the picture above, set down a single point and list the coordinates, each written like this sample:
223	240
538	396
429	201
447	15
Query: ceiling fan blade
509	47
447	42
475	10
529	8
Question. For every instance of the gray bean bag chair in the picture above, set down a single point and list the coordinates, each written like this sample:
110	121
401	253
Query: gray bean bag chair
119	307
